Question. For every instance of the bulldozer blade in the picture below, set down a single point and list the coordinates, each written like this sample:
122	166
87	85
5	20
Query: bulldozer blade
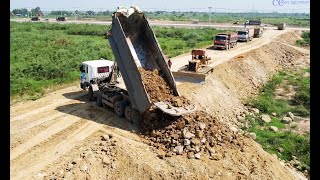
191	77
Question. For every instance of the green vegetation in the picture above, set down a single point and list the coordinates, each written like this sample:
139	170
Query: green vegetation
306	39
300	104
45	54
292	143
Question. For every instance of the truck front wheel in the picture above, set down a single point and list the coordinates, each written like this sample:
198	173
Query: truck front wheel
99	99
90	94
119	108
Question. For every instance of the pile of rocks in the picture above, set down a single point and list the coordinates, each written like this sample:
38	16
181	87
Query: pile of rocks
192	135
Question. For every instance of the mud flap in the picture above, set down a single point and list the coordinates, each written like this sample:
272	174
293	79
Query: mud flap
95	89
175	111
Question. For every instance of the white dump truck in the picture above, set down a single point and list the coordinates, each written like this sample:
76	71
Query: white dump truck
245	34
135	46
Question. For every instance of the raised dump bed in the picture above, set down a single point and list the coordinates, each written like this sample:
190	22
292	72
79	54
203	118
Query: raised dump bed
135	46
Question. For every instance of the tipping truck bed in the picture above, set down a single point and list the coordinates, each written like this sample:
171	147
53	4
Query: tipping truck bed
135	46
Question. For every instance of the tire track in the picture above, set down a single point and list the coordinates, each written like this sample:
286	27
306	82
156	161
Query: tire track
17	128
61	125
52	150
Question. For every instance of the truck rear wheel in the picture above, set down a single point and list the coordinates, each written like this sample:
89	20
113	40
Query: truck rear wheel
119	108
136	117
128	113
99	99
90	94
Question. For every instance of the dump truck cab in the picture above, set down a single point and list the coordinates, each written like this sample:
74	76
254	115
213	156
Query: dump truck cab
94	70
220	40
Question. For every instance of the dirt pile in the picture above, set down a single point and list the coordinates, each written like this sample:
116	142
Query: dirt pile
191	135
290	37
158	89
93	159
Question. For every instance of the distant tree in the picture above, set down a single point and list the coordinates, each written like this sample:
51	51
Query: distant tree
22	11
36	11
90	13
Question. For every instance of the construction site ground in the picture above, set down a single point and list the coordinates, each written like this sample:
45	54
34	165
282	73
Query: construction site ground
64	136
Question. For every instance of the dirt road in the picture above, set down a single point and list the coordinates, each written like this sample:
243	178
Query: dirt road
59	136
222	56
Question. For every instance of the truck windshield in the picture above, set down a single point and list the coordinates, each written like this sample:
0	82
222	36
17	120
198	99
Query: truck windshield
103	69
242	33
220	38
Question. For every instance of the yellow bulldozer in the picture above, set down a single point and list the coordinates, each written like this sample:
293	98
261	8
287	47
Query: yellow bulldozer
199	58
197	69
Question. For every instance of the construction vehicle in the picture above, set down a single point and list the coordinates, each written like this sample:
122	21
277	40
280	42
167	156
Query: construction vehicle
225	40
237	22
35	18
258	31
61	19
197	64
135	46
245	34
281	26
199	57
94	70
254	22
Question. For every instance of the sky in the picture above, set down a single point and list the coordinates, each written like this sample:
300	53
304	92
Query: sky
295	6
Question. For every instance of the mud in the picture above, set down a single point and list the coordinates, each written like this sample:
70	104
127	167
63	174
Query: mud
158	89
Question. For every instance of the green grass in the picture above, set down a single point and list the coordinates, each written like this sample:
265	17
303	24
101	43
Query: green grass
306	39
45	54
293	144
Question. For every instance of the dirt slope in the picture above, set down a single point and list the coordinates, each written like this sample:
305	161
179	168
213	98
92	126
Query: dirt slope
59	136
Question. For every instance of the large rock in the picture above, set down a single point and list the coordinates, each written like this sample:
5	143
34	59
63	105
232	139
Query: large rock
179	150
286	120
197	156
199	133
180	125
255	110
106	161
290	114
202	126
252	135
161	154
188	135
105	137
190	155
216	156
266	118
273	128
186	142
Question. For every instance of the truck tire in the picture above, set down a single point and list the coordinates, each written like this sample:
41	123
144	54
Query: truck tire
128	113
136	117
99	99
90	94
119	108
